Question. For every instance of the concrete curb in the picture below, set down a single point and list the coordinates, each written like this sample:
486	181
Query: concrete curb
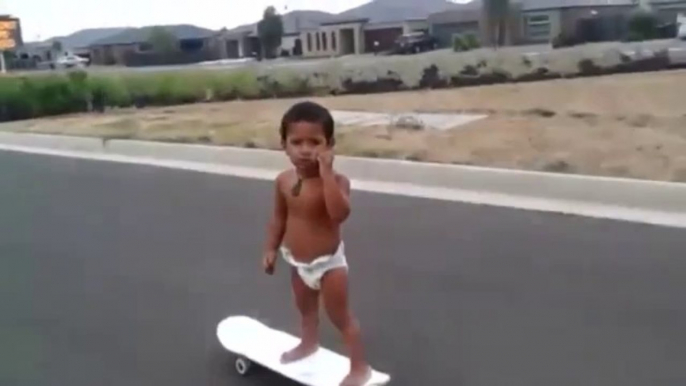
662	197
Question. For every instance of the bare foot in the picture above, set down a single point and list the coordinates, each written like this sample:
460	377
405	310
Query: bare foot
302	351
358	377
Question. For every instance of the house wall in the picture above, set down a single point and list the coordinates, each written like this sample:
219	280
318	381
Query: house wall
231	49
670	12
288	43
444	32
327	40
443	25
612	25
514	32
112	55
415	26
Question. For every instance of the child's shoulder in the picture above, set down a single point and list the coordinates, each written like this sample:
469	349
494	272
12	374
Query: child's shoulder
284	177
343	181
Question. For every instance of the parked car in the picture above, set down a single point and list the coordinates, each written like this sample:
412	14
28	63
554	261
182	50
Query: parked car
414	43
70	61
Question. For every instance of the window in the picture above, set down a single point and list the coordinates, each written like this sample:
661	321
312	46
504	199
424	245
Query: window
309	41
538	27
333	41
325	41
319	42
535	19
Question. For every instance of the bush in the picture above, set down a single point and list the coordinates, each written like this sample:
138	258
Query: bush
643	25
565	40
38	95
44	95
471	41
14	103
459	43
465	42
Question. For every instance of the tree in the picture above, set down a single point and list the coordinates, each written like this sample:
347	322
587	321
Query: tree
270	32
496	16
643	25
163	41
57	46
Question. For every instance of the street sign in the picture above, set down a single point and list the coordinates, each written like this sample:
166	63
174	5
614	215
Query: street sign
10	38
9	31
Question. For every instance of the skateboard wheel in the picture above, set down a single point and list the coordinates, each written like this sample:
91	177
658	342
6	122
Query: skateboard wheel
243	365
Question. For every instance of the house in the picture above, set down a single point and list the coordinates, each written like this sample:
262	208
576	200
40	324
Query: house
133	46
540	21
42	54
372	26
357	36
243	41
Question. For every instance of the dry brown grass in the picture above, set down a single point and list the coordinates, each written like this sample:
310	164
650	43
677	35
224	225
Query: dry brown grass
623	125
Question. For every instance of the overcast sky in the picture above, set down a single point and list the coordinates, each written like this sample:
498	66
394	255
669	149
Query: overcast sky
42	19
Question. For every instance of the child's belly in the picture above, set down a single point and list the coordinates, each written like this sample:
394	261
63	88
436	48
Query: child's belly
308	240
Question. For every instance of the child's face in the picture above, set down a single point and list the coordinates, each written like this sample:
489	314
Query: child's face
303	142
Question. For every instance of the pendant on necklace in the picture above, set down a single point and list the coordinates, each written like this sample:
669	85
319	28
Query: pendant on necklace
297	187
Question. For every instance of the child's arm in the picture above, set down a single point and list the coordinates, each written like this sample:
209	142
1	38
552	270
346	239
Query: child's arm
277	222
336	189
337	196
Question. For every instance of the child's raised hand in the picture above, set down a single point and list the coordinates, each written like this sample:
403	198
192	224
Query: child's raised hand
269	262
325	159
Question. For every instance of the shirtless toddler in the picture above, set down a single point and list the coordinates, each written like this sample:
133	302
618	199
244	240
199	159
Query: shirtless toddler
311	202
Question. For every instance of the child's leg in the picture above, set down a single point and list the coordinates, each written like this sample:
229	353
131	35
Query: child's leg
335	292
307	301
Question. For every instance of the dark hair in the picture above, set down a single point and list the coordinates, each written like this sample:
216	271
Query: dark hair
308	112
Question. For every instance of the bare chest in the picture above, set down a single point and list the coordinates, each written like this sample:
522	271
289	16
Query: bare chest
306	200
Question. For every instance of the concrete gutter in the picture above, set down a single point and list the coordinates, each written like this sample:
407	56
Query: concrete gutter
541	190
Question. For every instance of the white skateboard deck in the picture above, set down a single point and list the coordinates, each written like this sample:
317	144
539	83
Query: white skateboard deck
253	341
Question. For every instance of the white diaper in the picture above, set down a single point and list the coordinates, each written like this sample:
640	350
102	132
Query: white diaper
313	272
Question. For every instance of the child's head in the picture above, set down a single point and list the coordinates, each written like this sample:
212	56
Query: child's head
307	128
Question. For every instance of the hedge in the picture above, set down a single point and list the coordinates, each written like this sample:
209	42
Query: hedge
36	96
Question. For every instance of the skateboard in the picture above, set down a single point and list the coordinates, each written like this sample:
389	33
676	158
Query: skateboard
255	343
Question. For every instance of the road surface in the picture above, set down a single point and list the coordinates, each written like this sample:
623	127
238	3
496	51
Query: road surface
115	274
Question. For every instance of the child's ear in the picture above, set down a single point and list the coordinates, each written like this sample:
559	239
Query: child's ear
332	142
283	144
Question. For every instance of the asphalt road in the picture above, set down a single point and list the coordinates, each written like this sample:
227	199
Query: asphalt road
116	274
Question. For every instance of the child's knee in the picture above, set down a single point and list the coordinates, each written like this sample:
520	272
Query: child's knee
344	322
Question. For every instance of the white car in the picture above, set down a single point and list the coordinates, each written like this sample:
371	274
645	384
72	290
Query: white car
681	22
69	61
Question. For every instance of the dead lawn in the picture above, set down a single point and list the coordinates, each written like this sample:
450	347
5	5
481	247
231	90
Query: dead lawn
623	125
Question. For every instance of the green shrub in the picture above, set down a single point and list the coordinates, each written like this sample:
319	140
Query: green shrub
45	95
471	41
465	42
108	92
244	84
643	25
14	102
459	43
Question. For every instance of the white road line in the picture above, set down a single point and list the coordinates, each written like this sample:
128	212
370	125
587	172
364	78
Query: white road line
677	220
